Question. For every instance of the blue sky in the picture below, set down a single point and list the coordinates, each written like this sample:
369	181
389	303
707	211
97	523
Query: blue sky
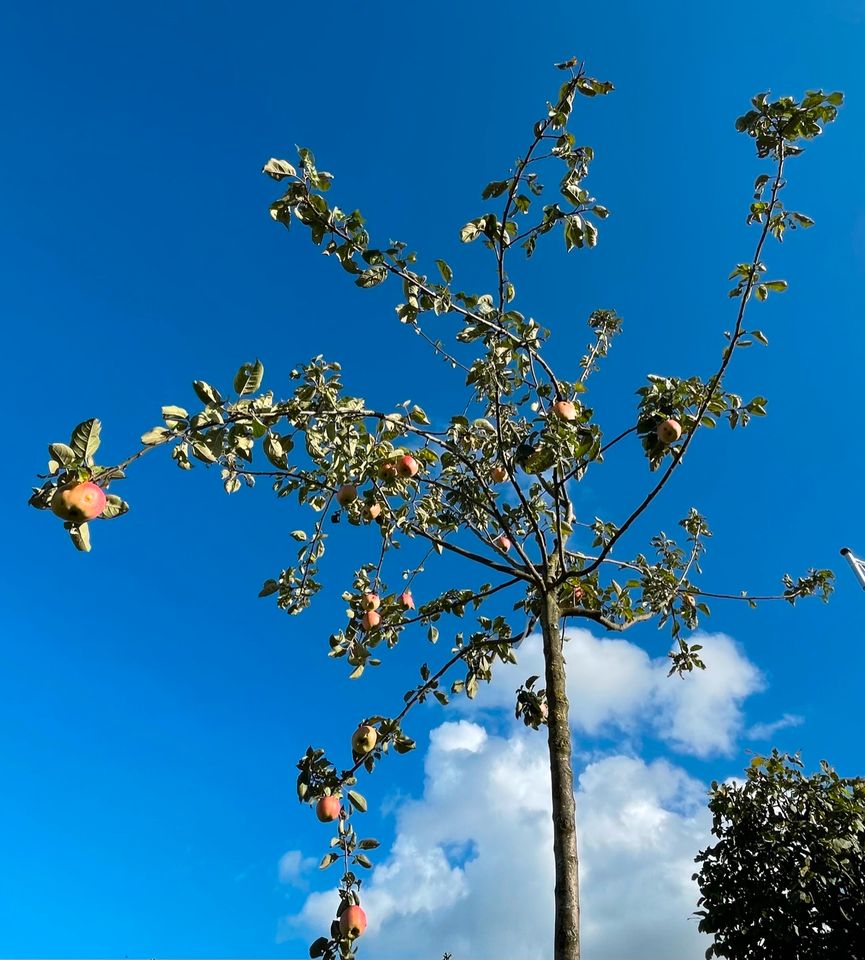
151	709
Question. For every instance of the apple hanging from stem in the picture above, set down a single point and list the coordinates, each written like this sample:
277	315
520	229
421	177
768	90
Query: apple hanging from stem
669	431
327	809
78	502
364	739
346	494
352	922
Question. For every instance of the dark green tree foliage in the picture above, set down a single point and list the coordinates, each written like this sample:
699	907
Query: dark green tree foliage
786	880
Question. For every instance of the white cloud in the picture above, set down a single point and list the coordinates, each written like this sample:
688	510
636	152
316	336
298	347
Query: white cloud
615	688
471	869
765	731
293	867
641	826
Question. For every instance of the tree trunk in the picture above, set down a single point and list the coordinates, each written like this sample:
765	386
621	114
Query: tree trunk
567	924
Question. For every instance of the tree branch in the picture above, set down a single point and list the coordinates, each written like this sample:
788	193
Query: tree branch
716	379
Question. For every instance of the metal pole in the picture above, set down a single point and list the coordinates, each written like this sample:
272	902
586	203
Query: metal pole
857	565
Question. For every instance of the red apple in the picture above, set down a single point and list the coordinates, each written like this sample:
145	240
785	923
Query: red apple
387	470
370	601
669	431
78	502
498	474
346	494
407	600
502	543
407	467
371	620
364	738
327	809
352	922
371	511
565	410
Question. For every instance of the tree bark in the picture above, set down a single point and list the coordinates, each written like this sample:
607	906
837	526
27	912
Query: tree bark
567	922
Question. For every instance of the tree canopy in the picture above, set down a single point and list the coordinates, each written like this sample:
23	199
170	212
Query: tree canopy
786	880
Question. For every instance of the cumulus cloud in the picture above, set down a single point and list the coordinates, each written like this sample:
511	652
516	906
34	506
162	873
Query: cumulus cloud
615	688
765	731
471	869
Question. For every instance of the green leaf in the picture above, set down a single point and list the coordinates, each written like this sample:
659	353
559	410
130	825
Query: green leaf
357	800
206	393
154	436
363	860
573	233
175	416
276	449
317	947
369	844
114	507
80	537
445	271
203	453
760	337
278	169
62	453
270	586
85	440
471	231
327	860
248	378
372	277
495	189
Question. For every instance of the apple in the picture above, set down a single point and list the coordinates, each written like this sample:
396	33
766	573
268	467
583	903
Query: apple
371	601
498	474
669	431
78	502
565	410
371	620
371	511
578	593
503	543
407	467
364	738
327	809
352	922
346	494
407	600
387	470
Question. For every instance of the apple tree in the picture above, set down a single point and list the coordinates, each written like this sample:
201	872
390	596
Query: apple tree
487	482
